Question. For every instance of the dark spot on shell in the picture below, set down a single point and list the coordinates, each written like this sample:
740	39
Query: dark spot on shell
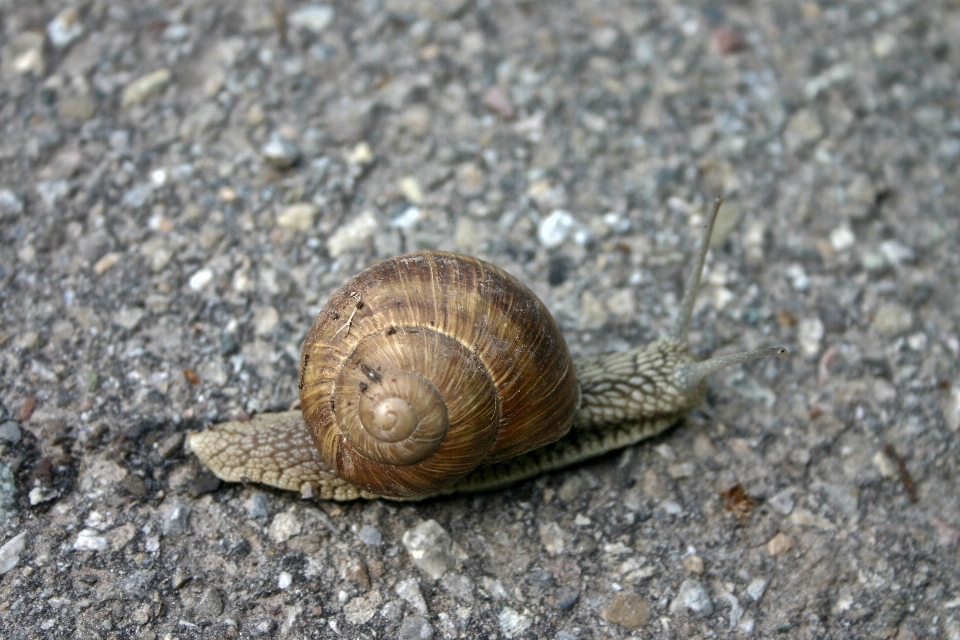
363	387
391	331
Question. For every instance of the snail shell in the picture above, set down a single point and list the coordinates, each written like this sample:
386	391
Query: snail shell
424	366
435	372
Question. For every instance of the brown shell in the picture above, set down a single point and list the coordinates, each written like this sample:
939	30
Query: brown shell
423	328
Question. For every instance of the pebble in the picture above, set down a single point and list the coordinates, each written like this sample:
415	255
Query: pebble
411	190
736	611
65	28
299	216
11	550
429	546
10	203
728	40
693	564
107	262
799	279
417	120
175	518
552	537
10	432
842	238
809	335
884	465
314	18
145	86
692	597
362	608
756	589
513	623
415	628
24	53
566	597
593	314
265	320
90	540
498	101
8	493
470	180
284	580
892	319
780	544
258	506
803	128
409	591
783	502
897	253
628	610
555	228
53	191
352	235
200	279
138	196
284	526
210	604
280	152
370	535
459	586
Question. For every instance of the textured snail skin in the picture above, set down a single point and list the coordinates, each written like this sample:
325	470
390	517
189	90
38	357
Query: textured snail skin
550	412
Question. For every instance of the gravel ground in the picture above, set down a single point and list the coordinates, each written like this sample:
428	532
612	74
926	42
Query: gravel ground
184	183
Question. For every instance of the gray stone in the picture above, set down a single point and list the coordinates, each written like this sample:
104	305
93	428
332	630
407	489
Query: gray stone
370	535
10	432
175	518
11	550
415	628
429	546
692	598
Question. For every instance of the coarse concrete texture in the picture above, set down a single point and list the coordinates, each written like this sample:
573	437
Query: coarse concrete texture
183	184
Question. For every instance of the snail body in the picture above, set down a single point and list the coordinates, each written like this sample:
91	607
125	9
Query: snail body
435	373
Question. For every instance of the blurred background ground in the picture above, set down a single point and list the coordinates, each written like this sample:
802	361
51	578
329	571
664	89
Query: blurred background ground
183	183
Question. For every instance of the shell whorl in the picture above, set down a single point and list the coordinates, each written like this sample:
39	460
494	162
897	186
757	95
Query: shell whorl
423	367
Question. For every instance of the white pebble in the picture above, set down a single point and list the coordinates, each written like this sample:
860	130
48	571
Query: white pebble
284	581
513	623
299	216
283	527
352	235
842	238
799	279
201	279
65	28
555	228
408	219
897	253
88	540
756	588
314	18
809	334
11	550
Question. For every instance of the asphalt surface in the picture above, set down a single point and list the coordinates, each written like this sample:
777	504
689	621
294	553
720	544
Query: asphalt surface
183	184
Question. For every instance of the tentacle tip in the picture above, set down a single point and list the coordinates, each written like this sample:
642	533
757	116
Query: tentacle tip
782	352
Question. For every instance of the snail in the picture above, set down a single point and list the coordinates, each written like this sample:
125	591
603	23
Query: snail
434	373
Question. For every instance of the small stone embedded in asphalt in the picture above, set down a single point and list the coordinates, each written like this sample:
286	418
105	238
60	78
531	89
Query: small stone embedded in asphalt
145	86
370	535
555	228
429	546
90	540
629	610
11	550
284	526
513	623
258	506
415	628
280	152
566	597
409	591
176	515
10	432
693	598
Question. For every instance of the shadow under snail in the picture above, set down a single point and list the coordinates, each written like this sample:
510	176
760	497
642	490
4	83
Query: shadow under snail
434	373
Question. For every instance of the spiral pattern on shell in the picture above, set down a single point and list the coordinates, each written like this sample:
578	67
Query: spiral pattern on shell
425	366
